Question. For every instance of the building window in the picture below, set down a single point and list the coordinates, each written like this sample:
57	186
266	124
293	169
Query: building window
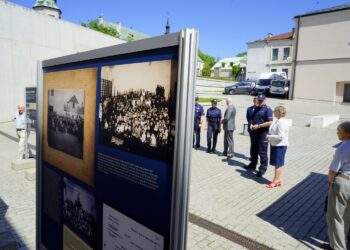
223	65
286	71
274	54
273	70
286	53
231	64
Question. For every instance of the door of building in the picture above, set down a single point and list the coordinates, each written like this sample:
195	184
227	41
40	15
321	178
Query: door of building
347	93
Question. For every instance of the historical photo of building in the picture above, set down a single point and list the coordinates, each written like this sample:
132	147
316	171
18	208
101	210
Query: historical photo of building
137	108
79	210
66	121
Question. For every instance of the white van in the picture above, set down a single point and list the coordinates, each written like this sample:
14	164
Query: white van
280	87
264	82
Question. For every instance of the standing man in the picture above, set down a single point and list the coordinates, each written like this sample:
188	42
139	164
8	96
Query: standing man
213	125
198	113
229	125
249	116
21	126
338	209
262	119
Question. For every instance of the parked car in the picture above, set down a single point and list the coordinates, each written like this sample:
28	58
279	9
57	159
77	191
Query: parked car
245	87
280	87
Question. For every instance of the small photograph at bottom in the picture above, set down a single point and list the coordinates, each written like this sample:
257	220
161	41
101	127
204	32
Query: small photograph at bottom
79	210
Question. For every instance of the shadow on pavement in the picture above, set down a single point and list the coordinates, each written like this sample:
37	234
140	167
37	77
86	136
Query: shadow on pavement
251	175
9	238
300	211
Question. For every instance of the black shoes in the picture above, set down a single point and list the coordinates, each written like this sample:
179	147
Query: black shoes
259	174
229	156
249	167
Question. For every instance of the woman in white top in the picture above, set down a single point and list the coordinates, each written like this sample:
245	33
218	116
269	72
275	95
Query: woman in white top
278	137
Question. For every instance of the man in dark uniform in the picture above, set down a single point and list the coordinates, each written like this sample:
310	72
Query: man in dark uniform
260	123
249	116
198	113
213	125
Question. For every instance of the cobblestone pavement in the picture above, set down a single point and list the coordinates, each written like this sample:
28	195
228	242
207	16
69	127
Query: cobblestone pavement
288	217
17	195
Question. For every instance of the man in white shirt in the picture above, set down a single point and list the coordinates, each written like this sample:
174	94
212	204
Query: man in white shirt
21	125
338	209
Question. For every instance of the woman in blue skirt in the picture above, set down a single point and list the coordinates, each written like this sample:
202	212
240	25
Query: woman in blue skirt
278	137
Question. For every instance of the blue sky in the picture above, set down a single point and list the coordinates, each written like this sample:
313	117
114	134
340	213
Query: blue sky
224	26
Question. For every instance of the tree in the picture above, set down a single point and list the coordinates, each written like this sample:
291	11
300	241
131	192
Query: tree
209	62
241	54
108	30
236	70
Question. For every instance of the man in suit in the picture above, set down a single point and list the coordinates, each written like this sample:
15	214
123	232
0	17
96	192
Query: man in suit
229	125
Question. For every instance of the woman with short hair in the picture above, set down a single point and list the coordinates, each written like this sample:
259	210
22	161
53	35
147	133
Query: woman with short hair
278	137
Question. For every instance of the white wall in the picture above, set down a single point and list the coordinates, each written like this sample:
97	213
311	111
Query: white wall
27	36
256	60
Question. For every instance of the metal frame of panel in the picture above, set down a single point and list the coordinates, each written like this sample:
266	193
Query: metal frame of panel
187	40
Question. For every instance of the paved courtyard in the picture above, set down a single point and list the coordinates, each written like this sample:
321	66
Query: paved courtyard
229	206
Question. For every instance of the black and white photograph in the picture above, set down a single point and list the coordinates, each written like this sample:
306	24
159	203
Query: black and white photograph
137	108
66	121
79	210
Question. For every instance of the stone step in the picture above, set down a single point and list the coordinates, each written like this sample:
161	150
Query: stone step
23	164
30	174
322	121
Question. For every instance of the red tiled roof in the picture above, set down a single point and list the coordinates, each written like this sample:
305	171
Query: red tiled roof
283	36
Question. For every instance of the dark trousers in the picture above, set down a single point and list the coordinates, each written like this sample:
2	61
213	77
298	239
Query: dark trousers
259	145
228	142
197	135
213	131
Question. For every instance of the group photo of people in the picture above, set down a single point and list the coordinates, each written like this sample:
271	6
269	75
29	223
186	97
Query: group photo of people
137	121
65	121
79	211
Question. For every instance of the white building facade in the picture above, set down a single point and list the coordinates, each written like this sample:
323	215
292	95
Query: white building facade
271	54
223	68
322	56
26	37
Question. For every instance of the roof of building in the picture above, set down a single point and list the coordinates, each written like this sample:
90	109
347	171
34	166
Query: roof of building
241	61
327	10
284	36
73	99
127	34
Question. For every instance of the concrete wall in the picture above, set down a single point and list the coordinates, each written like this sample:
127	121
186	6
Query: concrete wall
323	58
330	32
318	80
27	36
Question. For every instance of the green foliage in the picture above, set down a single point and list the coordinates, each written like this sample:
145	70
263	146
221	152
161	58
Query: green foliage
236	70
209	62
130	38
208	99
241	54
94	25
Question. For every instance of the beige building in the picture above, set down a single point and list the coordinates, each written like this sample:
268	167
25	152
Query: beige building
321	70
